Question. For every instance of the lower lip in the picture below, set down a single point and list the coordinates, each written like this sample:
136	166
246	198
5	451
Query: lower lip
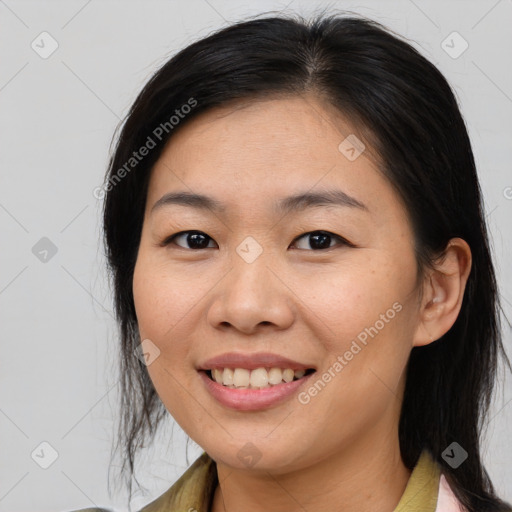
252	399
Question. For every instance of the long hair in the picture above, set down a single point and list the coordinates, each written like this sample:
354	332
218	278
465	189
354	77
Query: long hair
413	123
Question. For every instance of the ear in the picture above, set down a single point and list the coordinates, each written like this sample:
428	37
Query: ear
443	291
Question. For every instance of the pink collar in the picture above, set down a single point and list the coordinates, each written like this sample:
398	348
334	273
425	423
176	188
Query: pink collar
446	499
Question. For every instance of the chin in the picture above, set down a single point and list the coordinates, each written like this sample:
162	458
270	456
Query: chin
258	454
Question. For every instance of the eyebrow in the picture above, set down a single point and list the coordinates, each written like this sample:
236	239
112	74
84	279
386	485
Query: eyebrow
289	204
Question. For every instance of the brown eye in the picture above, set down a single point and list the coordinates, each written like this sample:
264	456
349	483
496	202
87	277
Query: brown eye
321	240
195	239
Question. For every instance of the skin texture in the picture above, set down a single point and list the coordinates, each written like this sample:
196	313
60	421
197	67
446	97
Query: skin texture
340	451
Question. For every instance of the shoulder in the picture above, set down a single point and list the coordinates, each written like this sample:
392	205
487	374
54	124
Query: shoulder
192	491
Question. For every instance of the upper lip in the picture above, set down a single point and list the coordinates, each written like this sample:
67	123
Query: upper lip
252	361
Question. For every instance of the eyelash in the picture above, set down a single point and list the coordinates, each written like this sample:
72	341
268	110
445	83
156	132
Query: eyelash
344	242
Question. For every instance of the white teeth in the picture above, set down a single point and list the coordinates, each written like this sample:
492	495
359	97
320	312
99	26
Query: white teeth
288	375
255	379
275	376
217	375
241	377
227	377
259	378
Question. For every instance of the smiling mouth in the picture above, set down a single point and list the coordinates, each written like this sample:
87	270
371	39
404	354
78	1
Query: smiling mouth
259	378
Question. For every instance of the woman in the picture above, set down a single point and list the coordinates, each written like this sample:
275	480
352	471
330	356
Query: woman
302	274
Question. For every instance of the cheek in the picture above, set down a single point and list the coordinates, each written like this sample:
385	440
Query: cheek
161	308
363	314
353	297
151	298
162	297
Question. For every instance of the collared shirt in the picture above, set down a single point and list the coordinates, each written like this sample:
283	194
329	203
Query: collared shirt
427	490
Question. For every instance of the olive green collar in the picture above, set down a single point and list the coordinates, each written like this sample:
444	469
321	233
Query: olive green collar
422	488
193	491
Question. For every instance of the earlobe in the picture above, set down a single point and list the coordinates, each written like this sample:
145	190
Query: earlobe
443	292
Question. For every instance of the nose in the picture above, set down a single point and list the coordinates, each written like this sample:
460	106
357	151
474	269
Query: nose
251	297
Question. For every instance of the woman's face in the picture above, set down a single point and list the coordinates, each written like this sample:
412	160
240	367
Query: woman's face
250	286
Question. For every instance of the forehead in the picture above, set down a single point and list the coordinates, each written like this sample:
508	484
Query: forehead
254	152
277	131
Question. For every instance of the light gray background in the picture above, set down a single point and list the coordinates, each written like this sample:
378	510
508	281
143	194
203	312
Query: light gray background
58	376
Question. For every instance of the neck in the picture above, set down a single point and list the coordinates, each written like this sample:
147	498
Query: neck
360	478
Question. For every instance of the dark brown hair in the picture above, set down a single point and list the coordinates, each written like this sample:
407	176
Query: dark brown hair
374	77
